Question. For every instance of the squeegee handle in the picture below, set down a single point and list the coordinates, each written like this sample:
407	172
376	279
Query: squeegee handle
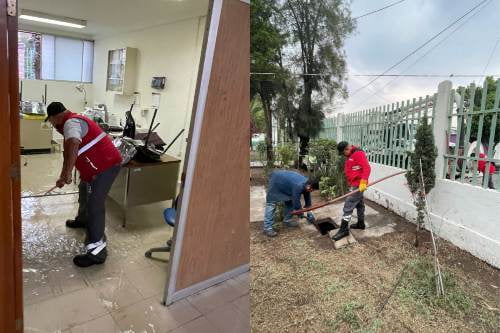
297	212
52	189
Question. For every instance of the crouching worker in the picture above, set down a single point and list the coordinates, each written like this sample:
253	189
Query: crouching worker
357	171
287	187
92	152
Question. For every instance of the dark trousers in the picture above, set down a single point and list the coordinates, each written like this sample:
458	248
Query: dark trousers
91	200
490	181
354	201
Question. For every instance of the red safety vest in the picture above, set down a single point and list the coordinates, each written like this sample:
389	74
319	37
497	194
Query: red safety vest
96	152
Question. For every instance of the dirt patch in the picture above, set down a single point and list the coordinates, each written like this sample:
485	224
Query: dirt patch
382	284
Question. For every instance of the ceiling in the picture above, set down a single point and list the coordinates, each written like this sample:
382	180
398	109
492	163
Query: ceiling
110	17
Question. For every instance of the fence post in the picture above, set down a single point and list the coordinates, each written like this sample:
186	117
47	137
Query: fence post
339	123
442	108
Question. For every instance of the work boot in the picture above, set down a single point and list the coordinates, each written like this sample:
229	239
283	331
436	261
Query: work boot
359	225
291	223
343	231
270	233
76	223
89	259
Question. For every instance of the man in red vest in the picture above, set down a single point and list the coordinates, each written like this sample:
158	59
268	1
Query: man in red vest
357	171
90	150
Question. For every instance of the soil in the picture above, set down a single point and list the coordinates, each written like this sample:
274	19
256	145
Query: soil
301	284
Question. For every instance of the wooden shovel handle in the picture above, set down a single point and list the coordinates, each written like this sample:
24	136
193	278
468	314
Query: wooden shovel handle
297	212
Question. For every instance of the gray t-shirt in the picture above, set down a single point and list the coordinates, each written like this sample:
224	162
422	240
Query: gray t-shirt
75	128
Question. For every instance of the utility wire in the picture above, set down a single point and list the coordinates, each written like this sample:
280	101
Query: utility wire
425	54
389	75
378	10
419	48
491	56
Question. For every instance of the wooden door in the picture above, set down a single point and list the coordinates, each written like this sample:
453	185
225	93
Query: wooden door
11	305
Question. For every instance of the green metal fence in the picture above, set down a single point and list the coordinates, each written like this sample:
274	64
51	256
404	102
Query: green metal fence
473	125
386	133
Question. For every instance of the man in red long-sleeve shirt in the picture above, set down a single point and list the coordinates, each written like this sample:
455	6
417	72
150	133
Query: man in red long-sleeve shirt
357	171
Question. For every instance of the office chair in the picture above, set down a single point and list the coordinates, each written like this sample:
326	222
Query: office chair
169	217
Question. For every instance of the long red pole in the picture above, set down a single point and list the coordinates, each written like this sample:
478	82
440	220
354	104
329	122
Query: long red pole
297	212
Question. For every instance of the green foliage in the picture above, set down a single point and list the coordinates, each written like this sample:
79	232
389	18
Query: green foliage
418	287
327	188
257	116
425	151
348	315
328	166
317	31
322	150
265	39
287	154
488	118
268	164
279	216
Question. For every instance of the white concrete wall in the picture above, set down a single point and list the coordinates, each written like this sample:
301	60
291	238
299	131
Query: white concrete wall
172	50
466	215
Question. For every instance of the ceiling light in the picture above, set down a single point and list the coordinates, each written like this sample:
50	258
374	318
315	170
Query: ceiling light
52	19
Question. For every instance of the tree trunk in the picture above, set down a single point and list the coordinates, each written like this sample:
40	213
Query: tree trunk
306	107
304	144
266	105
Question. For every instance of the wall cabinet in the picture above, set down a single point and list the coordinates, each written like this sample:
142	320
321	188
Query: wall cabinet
121	71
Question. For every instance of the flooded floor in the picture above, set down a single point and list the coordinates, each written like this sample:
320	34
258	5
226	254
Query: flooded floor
125	293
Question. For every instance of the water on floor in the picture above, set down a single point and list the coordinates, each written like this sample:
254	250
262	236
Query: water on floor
122	295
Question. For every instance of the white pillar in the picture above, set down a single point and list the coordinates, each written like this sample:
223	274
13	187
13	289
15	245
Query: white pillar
443	104
339	123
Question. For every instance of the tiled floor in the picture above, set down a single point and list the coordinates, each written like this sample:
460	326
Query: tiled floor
124	294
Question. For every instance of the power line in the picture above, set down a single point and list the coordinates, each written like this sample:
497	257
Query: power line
425	54
491	56
419	48
389	75
426	75
378	10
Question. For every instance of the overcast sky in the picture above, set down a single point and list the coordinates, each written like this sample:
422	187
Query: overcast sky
384	38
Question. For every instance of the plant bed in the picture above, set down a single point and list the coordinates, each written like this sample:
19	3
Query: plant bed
301	284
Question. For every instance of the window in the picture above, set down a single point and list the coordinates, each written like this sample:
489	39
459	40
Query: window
49	57
29	46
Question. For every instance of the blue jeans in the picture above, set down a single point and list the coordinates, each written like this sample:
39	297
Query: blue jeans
271	211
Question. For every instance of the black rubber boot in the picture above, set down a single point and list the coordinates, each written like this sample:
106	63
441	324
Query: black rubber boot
76	224
359	225
89	259
343	231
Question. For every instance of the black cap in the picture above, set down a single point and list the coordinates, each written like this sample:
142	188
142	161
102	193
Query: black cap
54	108
341	146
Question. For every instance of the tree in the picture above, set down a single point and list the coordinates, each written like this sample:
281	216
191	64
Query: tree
318	30
257	117
488	118
422	158
265	41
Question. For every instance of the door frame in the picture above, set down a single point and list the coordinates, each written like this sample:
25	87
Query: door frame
11	298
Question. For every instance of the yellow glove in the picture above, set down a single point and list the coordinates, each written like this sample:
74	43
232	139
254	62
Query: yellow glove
362	185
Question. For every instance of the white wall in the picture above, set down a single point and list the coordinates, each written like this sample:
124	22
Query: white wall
172	50
58	91
466	215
